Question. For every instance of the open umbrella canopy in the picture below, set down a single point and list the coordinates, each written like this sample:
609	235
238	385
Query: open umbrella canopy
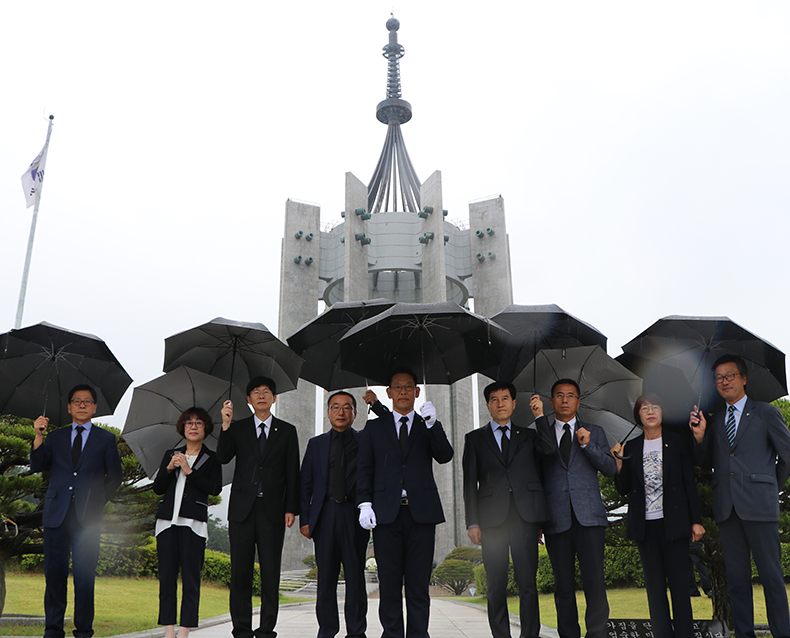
440	342
608	390
235	351
669	383
535	328
150	426
692	345
41	363
318	342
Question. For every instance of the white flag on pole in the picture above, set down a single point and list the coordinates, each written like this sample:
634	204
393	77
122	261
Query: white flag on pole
33	178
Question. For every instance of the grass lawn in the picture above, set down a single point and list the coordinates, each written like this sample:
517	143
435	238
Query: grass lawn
627	603
123	605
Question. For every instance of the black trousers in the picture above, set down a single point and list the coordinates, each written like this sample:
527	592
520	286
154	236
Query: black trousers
338	539
179	548
255	531
587	544
739	538
518	538
404	555
81	544
666	563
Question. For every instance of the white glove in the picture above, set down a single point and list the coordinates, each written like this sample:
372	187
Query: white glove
367	517
428	413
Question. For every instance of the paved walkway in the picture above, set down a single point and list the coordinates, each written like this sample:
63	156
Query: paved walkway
449	619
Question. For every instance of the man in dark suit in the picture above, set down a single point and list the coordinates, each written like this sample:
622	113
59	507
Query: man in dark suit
264	500
85	472
505	504
397	495
578	517
328	515
748	447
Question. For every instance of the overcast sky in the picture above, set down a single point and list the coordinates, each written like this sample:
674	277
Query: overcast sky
642	149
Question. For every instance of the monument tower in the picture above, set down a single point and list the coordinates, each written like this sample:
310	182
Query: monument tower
394	241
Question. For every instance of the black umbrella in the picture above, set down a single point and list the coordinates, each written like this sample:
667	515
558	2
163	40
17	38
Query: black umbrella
534	328
668	382
608	390
235	351
317	342
692	345
41	363
150	424
440	342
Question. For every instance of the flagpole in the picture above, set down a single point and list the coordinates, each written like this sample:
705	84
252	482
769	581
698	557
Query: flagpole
23	288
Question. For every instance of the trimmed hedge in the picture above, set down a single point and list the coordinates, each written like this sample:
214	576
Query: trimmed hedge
142	562
622	568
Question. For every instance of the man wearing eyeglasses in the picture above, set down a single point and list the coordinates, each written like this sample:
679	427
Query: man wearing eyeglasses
398	499
85	472
328	515
578	516
748	446
264	500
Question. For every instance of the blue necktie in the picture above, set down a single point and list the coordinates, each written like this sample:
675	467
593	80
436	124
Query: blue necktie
730	425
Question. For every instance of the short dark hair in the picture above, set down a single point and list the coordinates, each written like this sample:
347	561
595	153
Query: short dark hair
650	397
566	382
344	393
82	387
730	358
499	385
402	370
198	413
257	382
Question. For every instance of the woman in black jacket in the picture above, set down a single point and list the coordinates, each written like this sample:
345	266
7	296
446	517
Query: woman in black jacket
186	477
663	513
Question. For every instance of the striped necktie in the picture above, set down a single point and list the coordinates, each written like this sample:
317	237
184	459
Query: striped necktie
730	425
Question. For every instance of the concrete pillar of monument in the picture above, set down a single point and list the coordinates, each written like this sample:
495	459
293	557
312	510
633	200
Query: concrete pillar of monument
298	304
490	250
355	281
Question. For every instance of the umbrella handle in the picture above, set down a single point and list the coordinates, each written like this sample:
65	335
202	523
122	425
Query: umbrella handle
623	458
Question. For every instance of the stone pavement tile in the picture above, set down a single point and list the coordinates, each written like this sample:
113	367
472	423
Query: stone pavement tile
449	619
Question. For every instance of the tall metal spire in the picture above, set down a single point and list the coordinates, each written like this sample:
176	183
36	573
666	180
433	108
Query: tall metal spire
394	185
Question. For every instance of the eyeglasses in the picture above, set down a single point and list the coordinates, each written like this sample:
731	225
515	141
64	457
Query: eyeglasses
334	409
259	393
721	378
197	424
400	388
647	409
562	395
81	402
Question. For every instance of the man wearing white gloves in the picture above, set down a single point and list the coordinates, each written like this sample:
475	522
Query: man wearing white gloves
398	499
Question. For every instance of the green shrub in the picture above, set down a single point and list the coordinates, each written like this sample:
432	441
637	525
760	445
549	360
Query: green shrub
622	568
471	554
309	561
454	575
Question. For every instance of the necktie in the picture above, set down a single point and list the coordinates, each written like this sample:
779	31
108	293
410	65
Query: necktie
339	477
565	444
403	436
730	425
76	447
262	439
505	441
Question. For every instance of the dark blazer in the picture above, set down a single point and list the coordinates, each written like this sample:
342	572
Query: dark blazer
315	474
205	479
749	477
681	502
93	481
577	483
382	471
278	469
489	478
